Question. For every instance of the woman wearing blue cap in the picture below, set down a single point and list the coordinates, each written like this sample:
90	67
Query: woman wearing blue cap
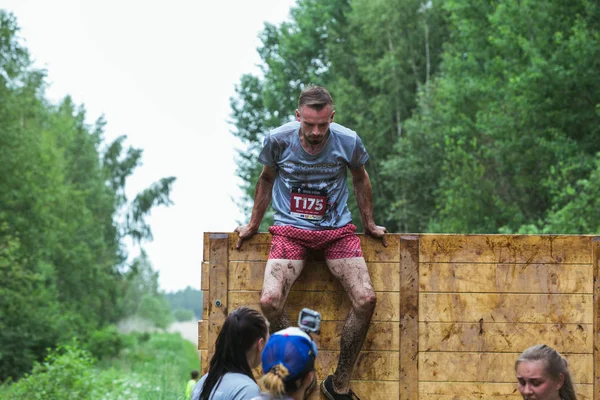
288	361
237	350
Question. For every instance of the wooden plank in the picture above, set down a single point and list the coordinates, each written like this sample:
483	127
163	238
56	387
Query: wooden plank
254	249
511	249
504	337
409	322
217	297
596	314
203	335
365	390
373	250
205	246
257	248
370	366
492	307
249	275
205	304
204	360
333	306
205	276
471	390
490	367
483	391
506	278
383	336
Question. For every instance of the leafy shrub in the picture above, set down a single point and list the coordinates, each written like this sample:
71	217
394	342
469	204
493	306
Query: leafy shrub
106	342
66	373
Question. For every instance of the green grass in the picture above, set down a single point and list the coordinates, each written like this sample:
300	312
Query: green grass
149	367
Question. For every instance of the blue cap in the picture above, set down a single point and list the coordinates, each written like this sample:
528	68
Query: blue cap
291	347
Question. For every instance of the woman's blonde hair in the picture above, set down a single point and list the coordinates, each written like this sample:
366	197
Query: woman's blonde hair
273	381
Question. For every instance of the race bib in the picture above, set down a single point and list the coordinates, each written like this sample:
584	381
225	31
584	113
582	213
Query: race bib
308	203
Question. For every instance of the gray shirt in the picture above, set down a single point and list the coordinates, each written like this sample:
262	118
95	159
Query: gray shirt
233	386
310	190
268	396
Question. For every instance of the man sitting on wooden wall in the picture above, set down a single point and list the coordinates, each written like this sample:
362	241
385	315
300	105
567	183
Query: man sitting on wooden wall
305	165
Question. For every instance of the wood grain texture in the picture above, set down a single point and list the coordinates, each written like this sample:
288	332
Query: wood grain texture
371	365
596	314
204	360
383	390
383	336
498	307
205	246
506	278
511	249
333	306
205	276
205	304
483	391
489	367
504	337
249	275
409	321
203	334
218	294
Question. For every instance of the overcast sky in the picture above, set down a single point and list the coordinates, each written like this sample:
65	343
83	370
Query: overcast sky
162	73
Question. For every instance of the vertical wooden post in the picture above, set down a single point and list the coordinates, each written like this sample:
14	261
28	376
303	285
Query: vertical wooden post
409	317
596	266
218	284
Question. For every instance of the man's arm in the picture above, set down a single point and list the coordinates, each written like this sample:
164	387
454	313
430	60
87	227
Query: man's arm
364	198
262	199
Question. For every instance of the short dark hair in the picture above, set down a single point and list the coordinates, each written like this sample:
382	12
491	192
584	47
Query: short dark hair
195	374
315	97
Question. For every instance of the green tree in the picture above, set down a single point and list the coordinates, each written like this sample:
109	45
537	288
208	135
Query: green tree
63	214
507	122
187	299
372	68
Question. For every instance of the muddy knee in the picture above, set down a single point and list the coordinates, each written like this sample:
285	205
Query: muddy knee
366	303
271	304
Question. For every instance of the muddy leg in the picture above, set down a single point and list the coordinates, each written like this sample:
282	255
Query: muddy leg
354	277
280	275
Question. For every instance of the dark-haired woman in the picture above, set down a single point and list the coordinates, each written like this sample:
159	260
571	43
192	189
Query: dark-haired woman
237	350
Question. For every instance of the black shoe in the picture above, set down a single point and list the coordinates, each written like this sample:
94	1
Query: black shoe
327	389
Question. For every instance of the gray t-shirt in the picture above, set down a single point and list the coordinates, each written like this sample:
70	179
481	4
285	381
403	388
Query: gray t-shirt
268	396
233	386
310	190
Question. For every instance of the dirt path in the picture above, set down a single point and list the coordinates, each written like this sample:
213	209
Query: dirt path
188	330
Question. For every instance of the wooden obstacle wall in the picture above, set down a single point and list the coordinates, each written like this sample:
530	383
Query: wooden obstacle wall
453	311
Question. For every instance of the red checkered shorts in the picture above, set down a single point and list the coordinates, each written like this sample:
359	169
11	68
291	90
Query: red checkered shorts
291	243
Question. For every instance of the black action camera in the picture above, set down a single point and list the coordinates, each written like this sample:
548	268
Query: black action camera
309	320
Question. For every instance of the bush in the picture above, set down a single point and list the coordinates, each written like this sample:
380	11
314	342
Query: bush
66	373
149	367
106	342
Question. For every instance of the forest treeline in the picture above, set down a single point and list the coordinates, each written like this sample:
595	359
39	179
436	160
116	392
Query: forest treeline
64	222
479	116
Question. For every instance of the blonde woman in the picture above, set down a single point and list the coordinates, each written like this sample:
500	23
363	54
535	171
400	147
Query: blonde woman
543	374
288	362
